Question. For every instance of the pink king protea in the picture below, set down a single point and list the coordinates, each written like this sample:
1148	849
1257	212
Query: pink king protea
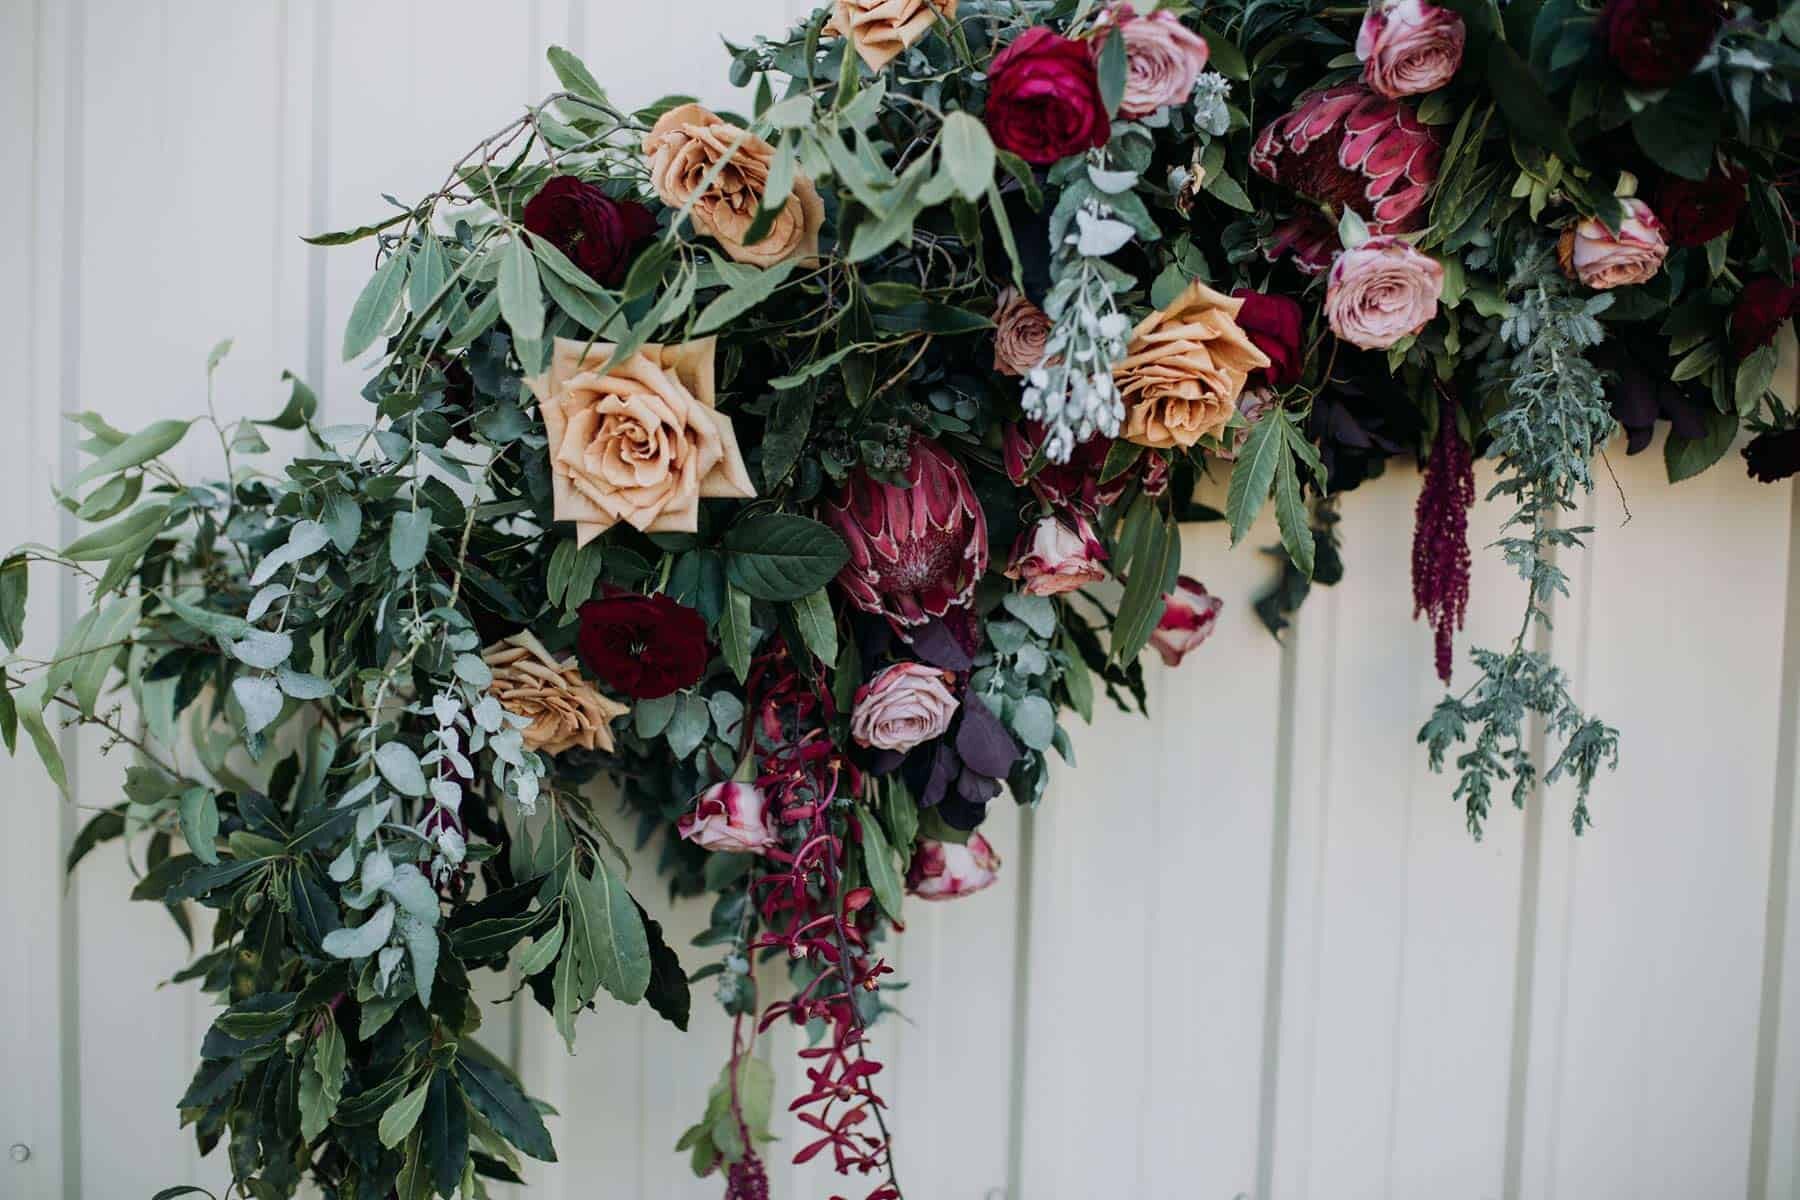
1346	145
917	551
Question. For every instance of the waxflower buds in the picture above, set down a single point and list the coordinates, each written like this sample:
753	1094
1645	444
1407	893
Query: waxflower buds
945	870
729	817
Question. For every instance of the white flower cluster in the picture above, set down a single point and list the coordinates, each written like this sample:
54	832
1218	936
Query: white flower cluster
1071	390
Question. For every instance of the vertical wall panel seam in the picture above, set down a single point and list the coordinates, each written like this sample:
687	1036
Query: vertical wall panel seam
1768	1029
1015	1124
317	206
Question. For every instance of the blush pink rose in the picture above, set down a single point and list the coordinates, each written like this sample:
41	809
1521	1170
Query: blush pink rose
1189	614
945	870
1054	556
905	705
1163	58
1382	291
1020	330
1601	259
729	817
1408	47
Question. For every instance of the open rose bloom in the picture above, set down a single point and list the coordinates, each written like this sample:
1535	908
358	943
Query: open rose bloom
639	443
1020	330
689	141
1163	58
904	706
946	870
1602	259
882	29
1184	368
729	818
1382	291
1058	555
1189	614
562	710
1409	47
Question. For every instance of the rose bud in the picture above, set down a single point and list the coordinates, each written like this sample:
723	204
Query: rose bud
729	818
1382	291
1274	325
1408	47
1053	556
1189	614
904	705
1599	258
946	870
916	551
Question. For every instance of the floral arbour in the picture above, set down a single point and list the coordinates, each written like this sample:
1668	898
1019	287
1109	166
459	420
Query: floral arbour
803	469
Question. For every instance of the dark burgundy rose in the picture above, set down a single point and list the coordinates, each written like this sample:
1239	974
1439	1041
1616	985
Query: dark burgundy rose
1274	324
1657	42
1765	304
642	646
598	233
1694	212
1773	456
1044	98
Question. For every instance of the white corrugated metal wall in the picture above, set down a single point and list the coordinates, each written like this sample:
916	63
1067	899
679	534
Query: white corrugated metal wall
1245	949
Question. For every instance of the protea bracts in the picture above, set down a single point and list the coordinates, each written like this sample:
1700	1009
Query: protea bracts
916	551
1345	145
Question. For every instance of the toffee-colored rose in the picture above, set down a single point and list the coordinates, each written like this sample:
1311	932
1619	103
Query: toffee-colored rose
1599	258
596	232
1655	43
1409	47
1382	291
1190	613
881	30
728	818
1184	368
639	443
905	705
1275	324
643	646
1044	98
946	870
563	710
1695	211
689	141
1163	58
1020	329
1055	555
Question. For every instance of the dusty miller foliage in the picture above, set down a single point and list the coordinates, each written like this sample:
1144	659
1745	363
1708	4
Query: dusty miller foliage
1555	420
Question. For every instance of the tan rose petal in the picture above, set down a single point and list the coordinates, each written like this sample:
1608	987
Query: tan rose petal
563	710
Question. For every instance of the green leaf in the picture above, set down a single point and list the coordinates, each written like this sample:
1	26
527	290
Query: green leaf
375	306
780	556
1120	457
398	1121
1112	70
30	700
1290	513
1222	54
818	627
493	1092
967	153
260	698
321	1079
1688	457
1153	549
606	935
444	1135
15	585
123	538
734	632
407	540
156	438
1525	104
750	289
521	297
400	767
199	812
575	76
1681	132
542	951
1253	473
300	407
878	859
1754	375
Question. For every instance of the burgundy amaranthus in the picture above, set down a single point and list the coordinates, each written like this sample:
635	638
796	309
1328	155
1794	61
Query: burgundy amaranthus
807	913
1440	556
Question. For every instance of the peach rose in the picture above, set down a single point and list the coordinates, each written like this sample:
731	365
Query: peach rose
640	442
1184	368
1596	256
945	870
564	710
1382	291
1020	329
686	142
729	818
1163	58
881	29
905	705
1053	557
1408	47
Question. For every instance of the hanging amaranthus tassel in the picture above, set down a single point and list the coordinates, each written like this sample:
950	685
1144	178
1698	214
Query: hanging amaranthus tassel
1440	557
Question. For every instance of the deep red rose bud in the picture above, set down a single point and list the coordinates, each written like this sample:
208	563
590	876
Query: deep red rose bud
1274	324
597	233
1694	212
642	646
1764	305
1657	42
1076	482
1044	98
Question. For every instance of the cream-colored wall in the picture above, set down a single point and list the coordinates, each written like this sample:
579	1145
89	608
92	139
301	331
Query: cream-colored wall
1246	948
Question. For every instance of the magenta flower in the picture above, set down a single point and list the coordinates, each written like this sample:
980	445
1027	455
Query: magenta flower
729	817
1189	614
